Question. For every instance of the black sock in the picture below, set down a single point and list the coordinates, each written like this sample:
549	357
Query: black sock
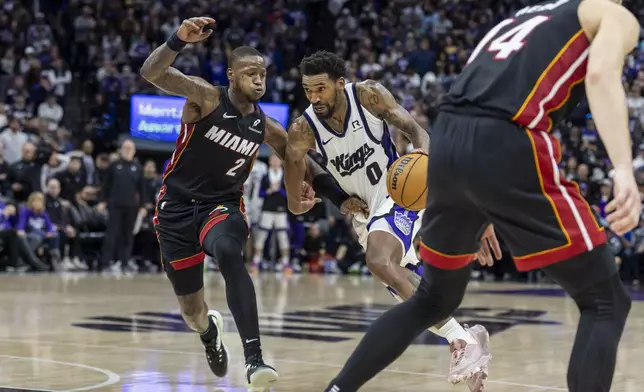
439	293
240	292
210	334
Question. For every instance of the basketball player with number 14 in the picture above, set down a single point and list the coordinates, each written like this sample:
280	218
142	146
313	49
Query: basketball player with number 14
493	160
348	124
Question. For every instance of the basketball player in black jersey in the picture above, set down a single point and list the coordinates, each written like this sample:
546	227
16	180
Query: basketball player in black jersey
200	209
492	160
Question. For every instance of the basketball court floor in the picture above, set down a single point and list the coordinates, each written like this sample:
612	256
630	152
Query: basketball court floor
109	333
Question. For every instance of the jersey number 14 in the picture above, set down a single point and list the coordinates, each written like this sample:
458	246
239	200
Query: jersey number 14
509	42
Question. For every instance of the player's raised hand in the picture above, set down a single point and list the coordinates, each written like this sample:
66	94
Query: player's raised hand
354	205
192	30
625	209
308	199
490	249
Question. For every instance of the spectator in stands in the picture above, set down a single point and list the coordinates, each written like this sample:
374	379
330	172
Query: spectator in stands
50	112
59	212
24	175
35	224
72	180
123	194
56	164
5	185
87	167
274	215
314	250
60	78
152	185
13	139
91	226
102	164
8	234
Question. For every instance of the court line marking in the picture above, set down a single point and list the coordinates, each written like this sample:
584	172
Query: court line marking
328	365
112	378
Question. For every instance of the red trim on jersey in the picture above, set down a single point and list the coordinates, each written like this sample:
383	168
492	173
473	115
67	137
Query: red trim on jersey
155	218
188	262
212	222
442	260
553	87
182	142
569	207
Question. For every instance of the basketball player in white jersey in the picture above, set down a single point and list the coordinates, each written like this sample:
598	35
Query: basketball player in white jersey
348	125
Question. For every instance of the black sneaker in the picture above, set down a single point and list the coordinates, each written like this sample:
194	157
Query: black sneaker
216	351
259	374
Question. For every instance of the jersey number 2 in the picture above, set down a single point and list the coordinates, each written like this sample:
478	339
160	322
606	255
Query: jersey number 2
233	170
510	41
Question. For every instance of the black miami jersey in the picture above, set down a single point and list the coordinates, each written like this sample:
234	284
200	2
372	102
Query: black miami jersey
214	156
529	68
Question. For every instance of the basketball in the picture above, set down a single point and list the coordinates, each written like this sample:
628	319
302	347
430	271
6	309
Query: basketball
407	181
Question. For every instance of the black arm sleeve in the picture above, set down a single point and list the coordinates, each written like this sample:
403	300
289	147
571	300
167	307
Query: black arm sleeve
324	185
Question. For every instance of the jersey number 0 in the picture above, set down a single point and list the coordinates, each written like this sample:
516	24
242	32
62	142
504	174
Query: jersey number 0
510	41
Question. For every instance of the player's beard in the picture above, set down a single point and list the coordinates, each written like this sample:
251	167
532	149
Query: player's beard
329	109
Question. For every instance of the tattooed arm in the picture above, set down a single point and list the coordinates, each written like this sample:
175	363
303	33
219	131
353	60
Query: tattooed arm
158	71
298	168
300	141
277	139
379	102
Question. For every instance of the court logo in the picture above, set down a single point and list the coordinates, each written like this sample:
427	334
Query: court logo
331	324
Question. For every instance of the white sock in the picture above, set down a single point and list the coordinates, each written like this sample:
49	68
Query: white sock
452	330
285	260
257	259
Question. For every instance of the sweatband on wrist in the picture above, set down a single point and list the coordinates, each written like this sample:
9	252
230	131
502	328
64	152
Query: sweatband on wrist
175	43
325	185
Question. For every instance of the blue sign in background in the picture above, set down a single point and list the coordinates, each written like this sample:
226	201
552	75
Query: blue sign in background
158	118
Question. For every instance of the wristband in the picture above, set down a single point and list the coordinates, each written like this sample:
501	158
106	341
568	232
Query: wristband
175	43
325	185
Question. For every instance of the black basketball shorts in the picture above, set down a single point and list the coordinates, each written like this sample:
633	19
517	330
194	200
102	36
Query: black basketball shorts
181	229
486	170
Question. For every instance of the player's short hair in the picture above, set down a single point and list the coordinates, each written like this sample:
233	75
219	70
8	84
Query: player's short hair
323	62
241	52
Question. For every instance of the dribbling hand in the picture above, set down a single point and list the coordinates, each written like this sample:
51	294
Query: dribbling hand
625	209
354	205
191	30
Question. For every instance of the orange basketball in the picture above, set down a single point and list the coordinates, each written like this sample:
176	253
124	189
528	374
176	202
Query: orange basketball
407	181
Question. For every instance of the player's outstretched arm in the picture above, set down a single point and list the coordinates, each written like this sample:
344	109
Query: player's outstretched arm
158	71
379	101
614	32
312	173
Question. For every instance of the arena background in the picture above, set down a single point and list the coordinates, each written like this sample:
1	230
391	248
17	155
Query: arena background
70	86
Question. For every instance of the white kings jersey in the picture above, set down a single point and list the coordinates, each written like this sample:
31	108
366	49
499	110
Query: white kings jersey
359	158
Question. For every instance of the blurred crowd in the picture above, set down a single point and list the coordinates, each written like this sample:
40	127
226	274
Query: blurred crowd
68	68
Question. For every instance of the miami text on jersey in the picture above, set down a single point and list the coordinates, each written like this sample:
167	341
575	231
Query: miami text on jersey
234	143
